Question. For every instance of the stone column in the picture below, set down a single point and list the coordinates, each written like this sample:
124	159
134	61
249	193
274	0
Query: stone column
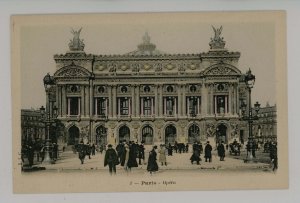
156	100
229	100
184	100
237	100
114	103
69	104
96	106
58	98
213	109
64	102
137	99
161	103
133	100
204	96
110	101
82	101
91	98
179	100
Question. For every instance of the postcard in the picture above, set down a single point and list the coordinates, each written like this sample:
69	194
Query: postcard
130	102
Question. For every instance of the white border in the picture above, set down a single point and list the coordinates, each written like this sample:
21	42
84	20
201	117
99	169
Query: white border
8	8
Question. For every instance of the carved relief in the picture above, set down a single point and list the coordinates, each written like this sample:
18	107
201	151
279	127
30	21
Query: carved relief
210	130
220	71
73	89
147	67
170	66
100	67
158	67
73	72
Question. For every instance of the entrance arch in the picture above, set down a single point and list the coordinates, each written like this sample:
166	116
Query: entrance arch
221	133
124	133
147	135
194	134
73	137
101	136
170	134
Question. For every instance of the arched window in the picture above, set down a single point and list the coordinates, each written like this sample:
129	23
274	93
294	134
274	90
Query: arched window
124	133
147	135
101	136
73	137
170	134
194	134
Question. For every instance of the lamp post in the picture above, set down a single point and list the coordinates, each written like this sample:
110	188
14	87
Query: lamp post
49	117
250	80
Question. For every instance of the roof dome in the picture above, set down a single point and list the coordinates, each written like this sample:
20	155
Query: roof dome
146	48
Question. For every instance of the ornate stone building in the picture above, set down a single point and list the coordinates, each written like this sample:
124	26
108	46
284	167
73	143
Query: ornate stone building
265	128
32	127
148	95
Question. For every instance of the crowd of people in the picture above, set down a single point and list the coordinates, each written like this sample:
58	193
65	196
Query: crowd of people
32	149
132	154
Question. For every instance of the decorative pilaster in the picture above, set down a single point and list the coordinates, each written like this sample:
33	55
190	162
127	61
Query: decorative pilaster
184	100
133	100
110	100
156	100
161	100
114	97
137	99
179	100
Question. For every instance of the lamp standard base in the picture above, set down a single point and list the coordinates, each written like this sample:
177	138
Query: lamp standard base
48	151
250	159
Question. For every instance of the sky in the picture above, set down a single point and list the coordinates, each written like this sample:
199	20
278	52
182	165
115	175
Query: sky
39	43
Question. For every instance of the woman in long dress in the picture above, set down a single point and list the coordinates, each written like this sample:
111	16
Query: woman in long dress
152	164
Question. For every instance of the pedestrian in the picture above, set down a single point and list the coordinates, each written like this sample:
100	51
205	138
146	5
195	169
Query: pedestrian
152	164
55	151
81	152
93	149
170	150
162	155
273	155
207	151
30	153
126	158
132	156
187	147
141	153
88	150
196	154
111	159
221	151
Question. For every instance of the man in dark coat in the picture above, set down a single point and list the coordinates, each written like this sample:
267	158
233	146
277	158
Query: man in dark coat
152	164
207	151
273	155
30	152
141	153
93	149
81	151
196	153
170	150
221	151
111	159
132	156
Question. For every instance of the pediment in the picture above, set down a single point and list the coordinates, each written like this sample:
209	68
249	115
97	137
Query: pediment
72	71
222	69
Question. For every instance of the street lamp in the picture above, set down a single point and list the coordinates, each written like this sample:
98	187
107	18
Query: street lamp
249	81
48	117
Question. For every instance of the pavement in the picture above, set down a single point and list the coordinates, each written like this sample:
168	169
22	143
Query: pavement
68	161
